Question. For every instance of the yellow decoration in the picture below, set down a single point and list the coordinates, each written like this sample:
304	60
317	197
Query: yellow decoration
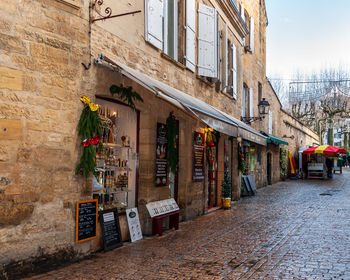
93	107
85	99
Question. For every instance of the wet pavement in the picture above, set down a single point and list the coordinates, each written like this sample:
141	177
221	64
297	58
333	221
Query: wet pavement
296	229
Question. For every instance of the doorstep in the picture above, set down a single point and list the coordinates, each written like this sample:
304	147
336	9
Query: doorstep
214	209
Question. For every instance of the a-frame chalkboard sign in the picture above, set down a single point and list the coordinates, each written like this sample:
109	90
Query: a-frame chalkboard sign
110	229
86	220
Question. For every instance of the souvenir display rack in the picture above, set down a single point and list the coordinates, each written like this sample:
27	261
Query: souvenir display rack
111	185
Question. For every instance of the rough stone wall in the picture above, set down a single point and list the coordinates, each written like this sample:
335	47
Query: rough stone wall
42	45
124	40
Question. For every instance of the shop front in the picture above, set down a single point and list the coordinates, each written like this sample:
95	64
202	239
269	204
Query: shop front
140	164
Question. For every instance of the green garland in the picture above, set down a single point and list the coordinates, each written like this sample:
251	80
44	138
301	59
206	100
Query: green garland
283	163
241	160
171	135
126	95
89	129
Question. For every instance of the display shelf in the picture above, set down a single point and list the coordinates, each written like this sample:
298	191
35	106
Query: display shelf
116	145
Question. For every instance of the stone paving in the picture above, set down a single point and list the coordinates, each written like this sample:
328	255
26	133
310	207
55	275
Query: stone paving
292	230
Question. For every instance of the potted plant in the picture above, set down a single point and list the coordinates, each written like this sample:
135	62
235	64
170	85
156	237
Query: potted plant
226	190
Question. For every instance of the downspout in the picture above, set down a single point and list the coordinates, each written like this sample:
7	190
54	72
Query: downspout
87	67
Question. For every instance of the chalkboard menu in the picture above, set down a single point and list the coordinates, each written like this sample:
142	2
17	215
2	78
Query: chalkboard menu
110	229
161	156
86	220
198	157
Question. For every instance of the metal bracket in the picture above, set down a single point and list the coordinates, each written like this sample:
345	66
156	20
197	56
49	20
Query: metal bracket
108	11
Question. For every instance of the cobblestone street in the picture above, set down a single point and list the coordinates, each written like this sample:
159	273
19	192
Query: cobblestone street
292	230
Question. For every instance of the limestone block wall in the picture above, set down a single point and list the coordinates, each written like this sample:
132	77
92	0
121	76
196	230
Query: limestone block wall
42	45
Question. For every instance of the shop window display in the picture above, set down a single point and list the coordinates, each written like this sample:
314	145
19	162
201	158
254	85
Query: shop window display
115	183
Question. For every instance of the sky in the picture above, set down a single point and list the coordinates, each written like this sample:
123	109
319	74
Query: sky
307	35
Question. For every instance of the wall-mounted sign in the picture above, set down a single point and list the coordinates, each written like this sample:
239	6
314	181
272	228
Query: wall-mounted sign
198	157
161	156
162	207
132	216
86	220
110	228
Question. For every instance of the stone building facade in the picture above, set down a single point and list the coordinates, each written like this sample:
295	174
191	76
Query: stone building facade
47	63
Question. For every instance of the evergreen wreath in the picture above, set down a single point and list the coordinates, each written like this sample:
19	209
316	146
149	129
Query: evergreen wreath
126	94
89	129
171	135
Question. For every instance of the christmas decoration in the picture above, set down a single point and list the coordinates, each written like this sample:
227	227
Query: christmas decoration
89	130
126	95
241	160
212	139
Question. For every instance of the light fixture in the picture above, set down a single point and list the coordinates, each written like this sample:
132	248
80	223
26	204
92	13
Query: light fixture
263	107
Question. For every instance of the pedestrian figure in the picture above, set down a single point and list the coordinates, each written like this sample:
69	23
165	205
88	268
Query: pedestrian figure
329	164
345	162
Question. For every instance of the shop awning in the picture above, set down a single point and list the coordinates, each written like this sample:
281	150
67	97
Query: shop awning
211	116
248	133
274	139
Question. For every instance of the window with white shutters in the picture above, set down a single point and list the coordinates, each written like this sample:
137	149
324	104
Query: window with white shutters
234	71
207	41
171	28
154	22
191	35
251	33
251	111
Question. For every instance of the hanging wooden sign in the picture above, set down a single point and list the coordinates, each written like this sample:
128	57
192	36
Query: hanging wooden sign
198	157
86	220
161	156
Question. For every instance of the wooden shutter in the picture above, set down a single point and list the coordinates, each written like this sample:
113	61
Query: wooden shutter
242	12
251	111
191	35
270	121
207	41
244	101
154	22
225	60
234	71
251	43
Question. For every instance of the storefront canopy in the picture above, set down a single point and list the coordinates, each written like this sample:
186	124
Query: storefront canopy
274	139
211	116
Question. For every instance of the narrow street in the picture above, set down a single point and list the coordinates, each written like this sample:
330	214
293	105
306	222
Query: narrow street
291	230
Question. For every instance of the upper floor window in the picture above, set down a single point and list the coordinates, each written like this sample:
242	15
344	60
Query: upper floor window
164	29
228	65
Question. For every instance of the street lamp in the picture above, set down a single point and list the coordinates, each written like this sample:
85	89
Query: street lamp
263	107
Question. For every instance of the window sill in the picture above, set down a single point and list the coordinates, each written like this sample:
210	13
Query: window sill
169	58
227	95
205	81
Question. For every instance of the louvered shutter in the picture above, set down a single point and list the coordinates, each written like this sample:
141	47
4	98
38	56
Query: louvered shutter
191	35
207	41
242	12
224	58
234	71
251	111
270	121
244	101
252	34
154	22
